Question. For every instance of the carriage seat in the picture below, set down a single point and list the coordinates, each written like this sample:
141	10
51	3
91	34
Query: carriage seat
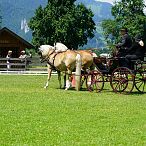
137	63
140	60
100	63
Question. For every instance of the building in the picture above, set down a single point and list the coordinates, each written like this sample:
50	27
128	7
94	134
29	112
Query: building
11	41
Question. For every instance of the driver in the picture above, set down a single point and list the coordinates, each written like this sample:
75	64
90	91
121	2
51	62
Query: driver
125	44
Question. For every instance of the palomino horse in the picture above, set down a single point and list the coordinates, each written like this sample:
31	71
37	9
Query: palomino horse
61	62
64	61
86	58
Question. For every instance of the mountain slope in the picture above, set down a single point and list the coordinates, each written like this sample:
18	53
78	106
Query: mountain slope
14	11
101	10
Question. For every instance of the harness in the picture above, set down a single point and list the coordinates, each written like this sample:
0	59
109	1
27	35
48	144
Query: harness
50	63
47	58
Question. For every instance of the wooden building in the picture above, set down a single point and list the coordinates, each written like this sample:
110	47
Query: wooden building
11	41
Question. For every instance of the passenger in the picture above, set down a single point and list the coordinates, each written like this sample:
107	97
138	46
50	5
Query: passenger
137	51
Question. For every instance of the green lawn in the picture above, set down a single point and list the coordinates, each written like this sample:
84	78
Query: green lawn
33	116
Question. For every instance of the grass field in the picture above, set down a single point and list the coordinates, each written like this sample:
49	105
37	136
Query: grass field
33	116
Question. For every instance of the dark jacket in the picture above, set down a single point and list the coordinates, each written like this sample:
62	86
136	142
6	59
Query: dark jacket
126	42
137	49
124	45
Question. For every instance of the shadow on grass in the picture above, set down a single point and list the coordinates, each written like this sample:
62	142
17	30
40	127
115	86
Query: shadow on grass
106	90
137	93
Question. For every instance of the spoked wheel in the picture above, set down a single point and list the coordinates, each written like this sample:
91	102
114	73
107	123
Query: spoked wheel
95	81
140	80
122	80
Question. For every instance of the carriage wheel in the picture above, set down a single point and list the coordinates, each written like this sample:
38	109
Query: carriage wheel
122	80
95	81
140	80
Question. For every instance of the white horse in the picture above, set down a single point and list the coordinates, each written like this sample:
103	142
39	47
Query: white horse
62	62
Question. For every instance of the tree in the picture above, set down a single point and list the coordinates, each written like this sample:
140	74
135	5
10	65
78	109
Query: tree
62	21
128	14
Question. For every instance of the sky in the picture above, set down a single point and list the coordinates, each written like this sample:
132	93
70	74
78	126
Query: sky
111	1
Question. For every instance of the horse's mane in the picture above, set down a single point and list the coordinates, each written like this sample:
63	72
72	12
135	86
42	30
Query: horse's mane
47	46
60	46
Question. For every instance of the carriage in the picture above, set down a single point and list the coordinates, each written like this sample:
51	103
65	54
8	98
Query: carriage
121	79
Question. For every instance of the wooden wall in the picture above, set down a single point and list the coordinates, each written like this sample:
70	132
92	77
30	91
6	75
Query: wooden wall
9	42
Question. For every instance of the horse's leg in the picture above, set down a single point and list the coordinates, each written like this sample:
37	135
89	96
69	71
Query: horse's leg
59	78
68	81
64	80
49	76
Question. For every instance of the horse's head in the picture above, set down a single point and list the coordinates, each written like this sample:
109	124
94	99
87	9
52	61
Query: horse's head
44	52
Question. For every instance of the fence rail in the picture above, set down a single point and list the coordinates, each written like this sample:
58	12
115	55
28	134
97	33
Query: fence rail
10	64
22	66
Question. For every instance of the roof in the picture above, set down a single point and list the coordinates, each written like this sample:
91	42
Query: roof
16	36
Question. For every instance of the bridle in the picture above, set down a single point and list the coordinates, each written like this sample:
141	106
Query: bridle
47	57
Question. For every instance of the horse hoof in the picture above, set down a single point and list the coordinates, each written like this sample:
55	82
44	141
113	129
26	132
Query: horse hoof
45	87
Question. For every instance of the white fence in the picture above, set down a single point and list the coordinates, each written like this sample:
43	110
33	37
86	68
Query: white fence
20	66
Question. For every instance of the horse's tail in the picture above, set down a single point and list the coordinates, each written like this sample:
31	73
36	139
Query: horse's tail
78	72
